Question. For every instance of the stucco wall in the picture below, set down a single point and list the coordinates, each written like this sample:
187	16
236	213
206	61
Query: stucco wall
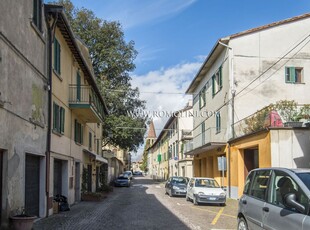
23	90
264	55
290	148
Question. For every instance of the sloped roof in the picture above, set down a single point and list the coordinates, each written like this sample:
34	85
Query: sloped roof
216	50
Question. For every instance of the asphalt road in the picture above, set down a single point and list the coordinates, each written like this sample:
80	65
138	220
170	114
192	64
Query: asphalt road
142	206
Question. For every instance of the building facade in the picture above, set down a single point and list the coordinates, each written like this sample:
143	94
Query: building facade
76	163
23	109
261	65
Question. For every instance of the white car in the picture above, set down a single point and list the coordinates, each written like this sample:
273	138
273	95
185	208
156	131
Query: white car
129	174
205	190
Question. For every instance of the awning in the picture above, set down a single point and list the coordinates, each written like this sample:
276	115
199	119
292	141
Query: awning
101	159
96	156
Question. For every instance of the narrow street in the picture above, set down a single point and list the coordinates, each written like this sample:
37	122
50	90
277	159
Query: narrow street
142	206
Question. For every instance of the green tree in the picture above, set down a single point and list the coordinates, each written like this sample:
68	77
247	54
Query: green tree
112	59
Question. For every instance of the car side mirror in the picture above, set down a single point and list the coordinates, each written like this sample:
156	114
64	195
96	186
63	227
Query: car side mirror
290	201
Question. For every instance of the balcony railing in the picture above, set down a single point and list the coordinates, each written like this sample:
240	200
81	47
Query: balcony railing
84	99
188	146
186	134
210	135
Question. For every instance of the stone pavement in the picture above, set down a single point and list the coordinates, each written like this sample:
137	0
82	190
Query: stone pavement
142	206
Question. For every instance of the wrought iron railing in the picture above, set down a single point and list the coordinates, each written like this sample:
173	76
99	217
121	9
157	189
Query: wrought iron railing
85	95
211	134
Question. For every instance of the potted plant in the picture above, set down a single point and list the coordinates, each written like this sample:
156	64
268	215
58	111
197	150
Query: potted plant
22	221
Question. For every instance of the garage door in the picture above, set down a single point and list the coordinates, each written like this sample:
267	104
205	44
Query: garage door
32	185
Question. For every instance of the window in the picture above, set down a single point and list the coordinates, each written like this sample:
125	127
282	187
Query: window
57	51
58	118
283	184
260	184
217	81
78	132
247	184
218	122
293	74
90	137
202	97
37	14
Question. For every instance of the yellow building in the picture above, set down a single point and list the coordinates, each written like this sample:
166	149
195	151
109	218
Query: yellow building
78	110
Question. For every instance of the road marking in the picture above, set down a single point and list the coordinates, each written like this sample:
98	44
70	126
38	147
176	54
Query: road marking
223	214
217	216
157	186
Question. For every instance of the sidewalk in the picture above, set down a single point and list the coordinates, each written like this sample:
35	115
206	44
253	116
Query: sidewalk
77	217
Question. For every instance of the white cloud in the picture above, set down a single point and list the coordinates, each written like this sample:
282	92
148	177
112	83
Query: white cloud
131	13
164	89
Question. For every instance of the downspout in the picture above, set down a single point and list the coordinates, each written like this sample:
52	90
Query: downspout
50	38
229	172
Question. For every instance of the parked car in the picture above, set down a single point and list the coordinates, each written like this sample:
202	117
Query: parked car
176	186
122	181
137	173
275	198
205	190
129	174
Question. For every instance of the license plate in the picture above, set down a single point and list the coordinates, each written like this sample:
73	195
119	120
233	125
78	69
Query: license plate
212	198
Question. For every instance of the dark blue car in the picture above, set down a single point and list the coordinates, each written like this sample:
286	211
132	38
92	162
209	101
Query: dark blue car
122	181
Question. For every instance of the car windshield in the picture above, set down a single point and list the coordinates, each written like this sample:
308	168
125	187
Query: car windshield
209	183
122	178
305	177
179	180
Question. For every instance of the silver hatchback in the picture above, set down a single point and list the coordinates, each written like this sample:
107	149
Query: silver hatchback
275	198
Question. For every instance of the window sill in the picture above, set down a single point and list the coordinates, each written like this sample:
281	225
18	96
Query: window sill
77	143
57	75
295	83
38	32
56	133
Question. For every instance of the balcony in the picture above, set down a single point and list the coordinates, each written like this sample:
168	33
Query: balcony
86	103
211	135
188	146
186	134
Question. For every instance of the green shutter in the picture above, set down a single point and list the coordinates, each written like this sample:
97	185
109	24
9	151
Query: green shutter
81	133
75	130
54	116
213	85
292	74
55	54
58	59
62	120
220	73
159	158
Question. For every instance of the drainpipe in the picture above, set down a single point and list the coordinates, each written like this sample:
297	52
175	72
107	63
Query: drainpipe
229	171
233	92
232	88
50	38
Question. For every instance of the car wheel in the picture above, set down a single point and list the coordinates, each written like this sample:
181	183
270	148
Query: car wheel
223	204
187	198
242	225
170	194
195	200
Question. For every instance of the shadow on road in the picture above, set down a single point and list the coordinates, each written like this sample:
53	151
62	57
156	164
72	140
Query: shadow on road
125	208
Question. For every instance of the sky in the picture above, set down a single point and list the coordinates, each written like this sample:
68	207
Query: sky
173	37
